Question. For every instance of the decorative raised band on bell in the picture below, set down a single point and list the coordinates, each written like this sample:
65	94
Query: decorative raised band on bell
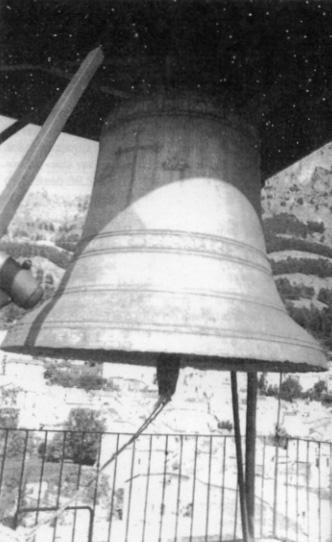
182	269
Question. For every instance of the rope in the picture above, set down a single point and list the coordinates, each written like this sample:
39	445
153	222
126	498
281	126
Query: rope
159	406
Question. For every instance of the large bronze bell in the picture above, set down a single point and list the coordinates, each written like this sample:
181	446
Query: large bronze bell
172	258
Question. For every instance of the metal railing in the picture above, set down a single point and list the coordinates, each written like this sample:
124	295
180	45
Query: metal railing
179	488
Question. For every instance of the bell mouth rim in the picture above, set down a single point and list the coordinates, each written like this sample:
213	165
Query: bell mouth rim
149	359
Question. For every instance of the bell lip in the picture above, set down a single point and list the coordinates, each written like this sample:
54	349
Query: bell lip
149	359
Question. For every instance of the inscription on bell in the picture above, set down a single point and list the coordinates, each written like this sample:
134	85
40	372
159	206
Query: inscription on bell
175	163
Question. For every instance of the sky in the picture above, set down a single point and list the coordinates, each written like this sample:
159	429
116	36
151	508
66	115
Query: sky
69	168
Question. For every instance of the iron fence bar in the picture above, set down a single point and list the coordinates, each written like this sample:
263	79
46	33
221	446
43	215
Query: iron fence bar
130	489
113	487
162	505
307	490
125	433
147	434
262	489
193	490
319	495
287	488
54	509
275	489
222	497
178	490
235	511
78	483
41	476
330	484
294	495
3	457
147	487
20	486
95	493
60	482
297	488
208	491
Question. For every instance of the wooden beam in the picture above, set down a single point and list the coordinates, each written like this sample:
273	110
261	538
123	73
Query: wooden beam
21	180
36	117
15	127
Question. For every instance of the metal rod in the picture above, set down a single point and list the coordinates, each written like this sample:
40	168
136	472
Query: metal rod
262	490
62	465
286	499
208	491
296	487
307	485
178	495
162	504
25	173
319	500
113	488
147	488
193	490
222	496
44	455
251	449
236	507
95	493
130	490
330	499
240	477
276	463
20	484
78	483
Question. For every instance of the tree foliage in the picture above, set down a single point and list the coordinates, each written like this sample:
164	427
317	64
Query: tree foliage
287	290
73	377
276	243
325	296
317	322
289	390
288	224
307	266
80	442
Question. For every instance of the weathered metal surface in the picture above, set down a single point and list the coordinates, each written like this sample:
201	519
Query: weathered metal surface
151	143
172	257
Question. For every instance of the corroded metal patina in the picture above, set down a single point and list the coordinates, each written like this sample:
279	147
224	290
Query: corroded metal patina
172	257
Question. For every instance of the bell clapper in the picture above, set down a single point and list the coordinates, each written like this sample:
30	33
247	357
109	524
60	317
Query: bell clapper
168	368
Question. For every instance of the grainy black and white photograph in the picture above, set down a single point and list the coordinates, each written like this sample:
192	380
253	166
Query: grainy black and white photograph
165	271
